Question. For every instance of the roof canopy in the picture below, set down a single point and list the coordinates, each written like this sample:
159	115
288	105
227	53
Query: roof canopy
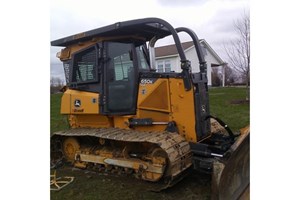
146	28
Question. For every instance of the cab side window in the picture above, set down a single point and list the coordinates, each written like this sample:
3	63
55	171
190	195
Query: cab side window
85	66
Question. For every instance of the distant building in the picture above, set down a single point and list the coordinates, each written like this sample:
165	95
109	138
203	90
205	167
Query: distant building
167	58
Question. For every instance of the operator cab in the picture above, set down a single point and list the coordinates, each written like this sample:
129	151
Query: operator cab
110	68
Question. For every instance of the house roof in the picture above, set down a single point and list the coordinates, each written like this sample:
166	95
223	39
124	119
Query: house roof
171	50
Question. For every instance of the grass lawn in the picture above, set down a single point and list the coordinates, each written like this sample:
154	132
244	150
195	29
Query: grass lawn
235	115
58	122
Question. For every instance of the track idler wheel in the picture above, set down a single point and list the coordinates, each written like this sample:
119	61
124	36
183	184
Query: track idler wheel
70	146
158	158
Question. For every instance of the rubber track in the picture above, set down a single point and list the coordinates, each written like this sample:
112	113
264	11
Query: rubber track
176	147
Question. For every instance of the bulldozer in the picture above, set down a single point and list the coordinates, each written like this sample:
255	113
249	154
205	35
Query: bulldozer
124	115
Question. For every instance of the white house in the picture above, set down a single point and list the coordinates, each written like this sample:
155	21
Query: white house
167	58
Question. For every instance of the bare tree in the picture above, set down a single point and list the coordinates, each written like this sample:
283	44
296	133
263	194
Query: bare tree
52	81
56	84
238	49
216	79
230	75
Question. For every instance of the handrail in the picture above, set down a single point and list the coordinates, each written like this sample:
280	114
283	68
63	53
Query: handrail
202	62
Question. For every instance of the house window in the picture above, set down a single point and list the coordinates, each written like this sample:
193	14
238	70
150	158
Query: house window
167	66
164	66
160	66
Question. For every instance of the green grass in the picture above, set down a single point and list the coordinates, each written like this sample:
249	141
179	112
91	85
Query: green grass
235	115
58	122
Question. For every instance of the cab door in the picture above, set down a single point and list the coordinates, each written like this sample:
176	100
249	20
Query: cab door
119	79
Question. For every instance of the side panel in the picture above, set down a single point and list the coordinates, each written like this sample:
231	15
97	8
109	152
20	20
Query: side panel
154	102
154	95
79	102
164	100
65	106
83	109
183	110
91	121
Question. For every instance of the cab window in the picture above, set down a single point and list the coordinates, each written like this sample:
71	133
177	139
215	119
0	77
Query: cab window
85	66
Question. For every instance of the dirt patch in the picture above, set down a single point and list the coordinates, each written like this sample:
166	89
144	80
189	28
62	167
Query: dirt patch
92	185
239	101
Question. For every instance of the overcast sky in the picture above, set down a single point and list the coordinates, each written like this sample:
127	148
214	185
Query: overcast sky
212	20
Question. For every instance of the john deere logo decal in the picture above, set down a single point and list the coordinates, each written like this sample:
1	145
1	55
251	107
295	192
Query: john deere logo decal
77	103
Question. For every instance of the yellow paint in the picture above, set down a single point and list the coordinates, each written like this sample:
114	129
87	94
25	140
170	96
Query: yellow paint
155	96
183	110
88	102
65	107
154	103
121	122
87	114
150	172
92	121
162	100
166	100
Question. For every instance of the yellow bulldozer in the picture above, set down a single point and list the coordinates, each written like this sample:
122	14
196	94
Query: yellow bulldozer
125	115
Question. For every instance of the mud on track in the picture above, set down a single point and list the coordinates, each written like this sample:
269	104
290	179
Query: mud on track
92	185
